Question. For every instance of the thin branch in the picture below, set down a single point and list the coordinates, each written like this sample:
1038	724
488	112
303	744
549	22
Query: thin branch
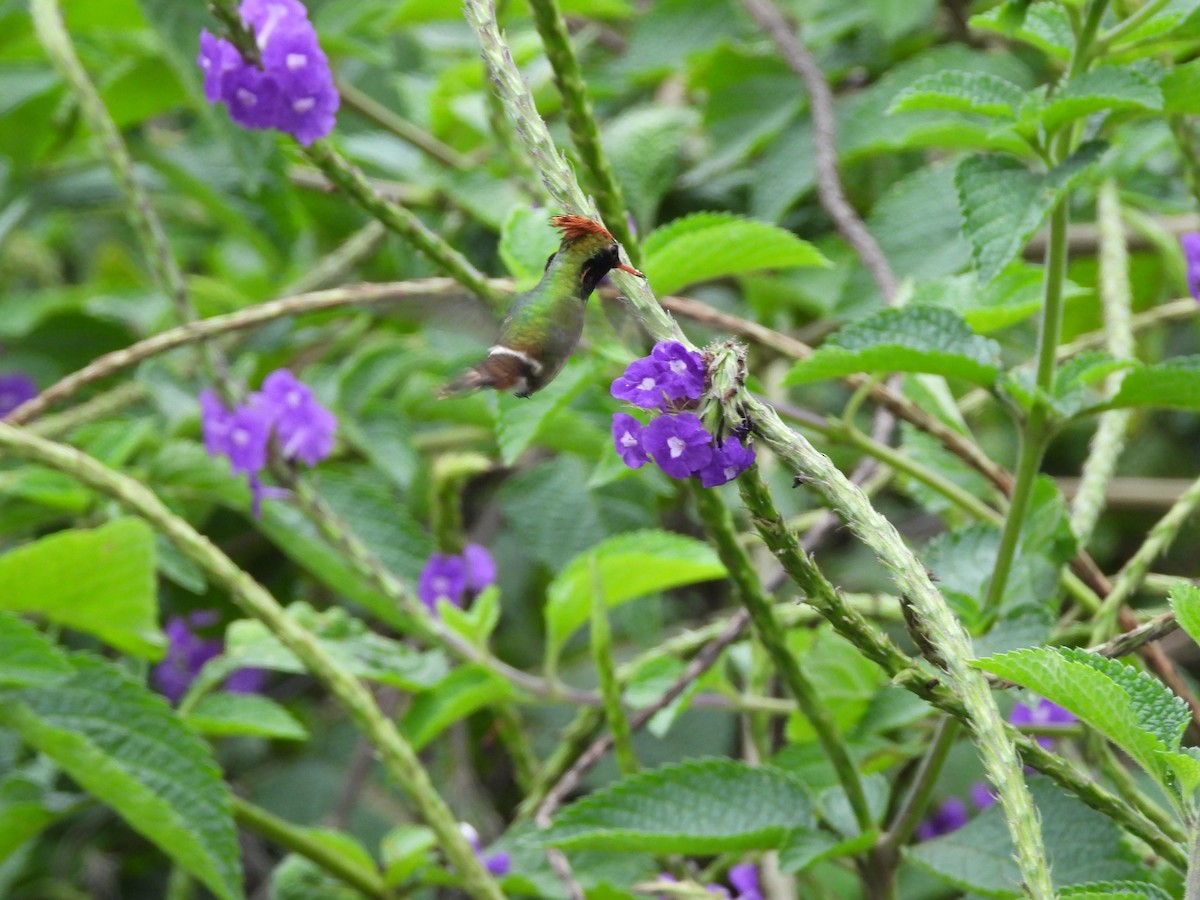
372	110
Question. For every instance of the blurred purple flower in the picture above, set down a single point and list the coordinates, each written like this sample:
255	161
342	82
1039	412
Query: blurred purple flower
452	576
981	795
683	370
679	444
481	568
499	863
444	576
1191	254
187	652
729	461
1044	713
15	389
642	384
303	427
744	878
292	92
950	816
627	438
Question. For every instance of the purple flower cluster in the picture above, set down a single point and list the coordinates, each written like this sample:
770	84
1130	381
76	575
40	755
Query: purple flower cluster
498	863
187	652
293	90
15	389
1191	255
1044	713
286	409
451	577
678	443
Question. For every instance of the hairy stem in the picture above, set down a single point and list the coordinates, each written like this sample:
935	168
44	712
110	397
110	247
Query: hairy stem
610	688
398	756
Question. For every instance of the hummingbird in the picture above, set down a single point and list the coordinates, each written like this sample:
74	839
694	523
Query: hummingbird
543	325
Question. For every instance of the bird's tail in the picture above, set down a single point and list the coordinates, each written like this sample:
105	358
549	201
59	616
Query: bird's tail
500	371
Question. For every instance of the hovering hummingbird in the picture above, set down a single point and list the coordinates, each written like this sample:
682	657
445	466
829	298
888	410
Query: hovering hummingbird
543	325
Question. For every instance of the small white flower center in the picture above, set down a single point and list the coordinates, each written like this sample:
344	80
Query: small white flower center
678	366
240	436
441	584
303	106
648	384
677	445
730	471
293	399
205	62
296	61
246	98
628	440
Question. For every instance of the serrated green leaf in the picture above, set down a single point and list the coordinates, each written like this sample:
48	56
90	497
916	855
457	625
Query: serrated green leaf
1181	89
1130	708
1114	890
1073	380
1011	297
704	246
222	715
979	93
698	807
1003	203
1174	384
645	147
912	339
805	848
630	565
124	746
27	657
462	692
100	581
1044	25
1185	602
1104	88
477	623
1085	845
518	419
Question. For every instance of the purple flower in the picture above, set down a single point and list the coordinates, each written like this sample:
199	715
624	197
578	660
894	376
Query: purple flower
981	795
642	384
683	375
498	863
1191	254
679	444
187	652
303	427
729	461
444	577
627	438
481	568
744	879
249	432
1044	713
292	92
15	389
950	816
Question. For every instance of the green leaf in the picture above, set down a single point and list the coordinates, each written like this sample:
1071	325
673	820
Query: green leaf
804	849
1174	384
1085	845
27	808
1011	297
967	92
645	147
1130	708
518	419
1105	88
526	242
221	715
631	565
1181	89
462	692
404	850
911	339
1003	203
1185	602
1043	25
1114	890
704	246
27	657
128	749
100	581
698	807
477	623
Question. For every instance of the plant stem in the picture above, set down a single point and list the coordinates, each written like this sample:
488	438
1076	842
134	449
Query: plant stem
303	842
147	226
581	121
1109	439
610	689
1192	888
399	758
917	800
1142	14
347	176
1036	433
719	524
